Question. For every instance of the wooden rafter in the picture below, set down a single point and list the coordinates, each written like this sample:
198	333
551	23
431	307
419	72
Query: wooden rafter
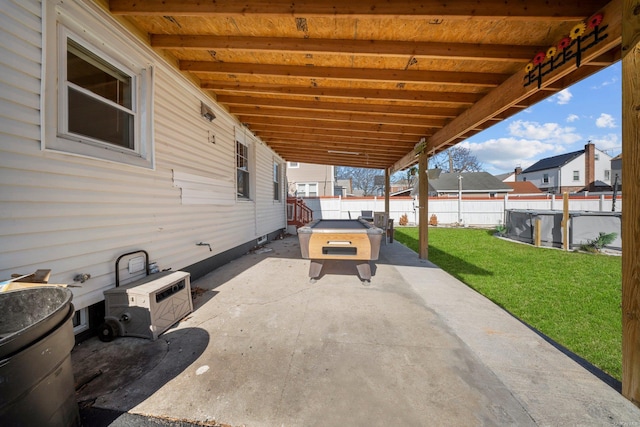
469	51
454	78
344	116
362	107
466	98
548	10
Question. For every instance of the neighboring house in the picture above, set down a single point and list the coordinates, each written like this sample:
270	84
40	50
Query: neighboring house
402	184
570	172
523	187
509	176
476	184
310	180
106	148
616	170
343	187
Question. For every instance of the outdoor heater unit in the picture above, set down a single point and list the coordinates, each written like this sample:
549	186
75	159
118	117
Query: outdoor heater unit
146	307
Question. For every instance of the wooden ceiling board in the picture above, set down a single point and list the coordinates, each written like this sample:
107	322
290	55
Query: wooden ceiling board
371	77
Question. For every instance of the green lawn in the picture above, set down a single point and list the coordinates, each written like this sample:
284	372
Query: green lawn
573	298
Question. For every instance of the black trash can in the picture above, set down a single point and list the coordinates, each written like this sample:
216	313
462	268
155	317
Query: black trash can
36	376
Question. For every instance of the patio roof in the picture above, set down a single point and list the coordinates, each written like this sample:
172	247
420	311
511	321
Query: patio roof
364	83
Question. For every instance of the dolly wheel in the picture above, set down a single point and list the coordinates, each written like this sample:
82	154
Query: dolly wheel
107	332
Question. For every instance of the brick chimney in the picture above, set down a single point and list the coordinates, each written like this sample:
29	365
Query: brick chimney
589	166
518	170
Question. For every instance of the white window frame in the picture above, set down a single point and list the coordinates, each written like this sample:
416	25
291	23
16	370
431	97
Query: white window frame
277	181
607	175
246	171
545	178
574	176
83	320
306	189
64	21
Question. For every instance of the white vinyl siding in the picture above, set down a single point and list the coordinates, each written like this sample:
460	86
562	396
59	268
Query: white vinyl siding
74	214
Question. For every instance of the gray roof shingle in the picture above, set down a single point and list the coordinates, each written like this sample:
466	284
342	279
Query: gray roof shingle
553	162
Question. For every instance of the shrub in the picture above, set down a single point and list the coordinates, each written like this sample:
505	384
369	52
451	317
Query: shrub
404	220
595	245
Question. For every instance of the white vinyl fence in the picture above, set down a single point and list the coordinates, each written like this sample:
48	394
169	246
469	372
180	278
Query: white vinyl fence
478	212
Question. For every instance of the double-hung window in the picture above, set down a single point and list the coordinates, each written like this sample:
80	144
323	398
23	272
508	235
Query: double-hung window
242	170
98	90
98	100
276	181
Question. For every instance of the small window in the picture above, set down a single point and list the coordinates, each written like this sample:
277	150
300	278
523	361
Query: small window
596	156
242	169
607	175
307	189
95	105
576	175
545	178
524	179
293	165
99	99
276	181
80	322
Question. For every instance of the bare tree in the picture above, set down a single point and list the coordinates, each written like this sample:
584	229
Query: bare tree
456	159
361	178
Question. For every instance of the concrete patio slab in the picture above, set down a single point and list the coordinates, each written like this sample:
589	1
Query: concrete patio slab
265	347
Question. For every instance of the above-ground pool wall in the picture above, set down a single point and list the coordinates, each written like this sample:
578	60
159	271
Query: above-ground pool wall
586	226
520	226
583	227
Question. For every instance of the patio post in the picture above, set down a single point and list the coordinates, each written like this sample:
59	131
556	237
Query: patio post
423	212
387	190
631	217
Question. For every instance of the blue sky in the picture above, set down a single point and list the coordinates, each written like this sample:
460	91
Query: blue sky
589	110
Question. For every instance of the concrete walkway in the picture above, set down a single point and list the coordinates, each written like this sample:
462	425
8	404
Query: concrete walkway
264	347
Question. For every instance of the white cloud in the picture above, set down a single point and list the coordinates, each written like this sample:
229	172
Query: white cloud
562	97
605	83
607	142
572	118
546	132
506	153
605	121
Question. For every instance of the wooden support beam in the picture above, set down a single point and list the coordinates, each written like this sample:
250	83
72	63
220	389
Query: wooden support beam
423	212
341	116
631	186
466	98
408	9
347	134
266	122
454	78
362	106
420	49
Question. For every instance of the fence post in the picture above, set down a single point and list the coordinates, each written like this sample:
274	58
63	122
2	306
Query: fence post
601	204
553	201
504	211
538	232
565	221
